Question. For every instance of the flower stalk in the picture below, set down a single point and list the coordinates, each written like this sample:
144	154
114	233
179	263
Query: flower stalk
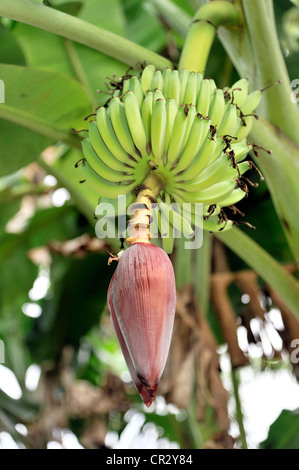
70	27
202	33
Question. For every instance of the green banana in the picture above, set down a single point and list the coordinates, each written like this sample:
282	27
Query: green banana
120	126
158	95
252	101
239	92
217	107
166	77
177	137
213	224
126	85
171	111
207	210
102	186
232	172
212	195
108	135
229	121
197	135
147	78
190	119
99	167
146	114
244	127
135	123
164	229
233	198
212	87
190	94
154	226
174	87
203	98
135	87
183	77
201	160
208	177
112	206
158	130
157	82
181	128
103	153
240	149
180	223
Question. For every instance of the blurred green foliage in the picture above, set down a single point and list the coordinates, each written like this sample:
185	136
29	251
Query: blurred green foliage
55	81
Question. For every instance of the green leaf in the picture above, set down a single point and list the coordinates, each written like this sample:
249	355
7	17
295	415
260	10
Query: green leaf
18	273
42	107
40	229
260	212
142	25
270	67
67	6
267	267
283	433
291	28
79	297
97	13
81	31
67	175
10	52
42	49
7	211
50	52
281	172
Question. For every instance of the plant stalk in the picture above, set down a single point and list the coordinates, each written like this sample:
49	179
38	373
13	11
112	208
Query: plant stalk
271	67
70	27
79	70
202	272
35	124
281	172
180	20
139	224
202	33
182	263
266	266
239	412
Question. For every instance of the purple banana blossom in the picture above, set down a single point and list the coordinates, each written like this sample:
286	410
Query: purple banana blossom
141	300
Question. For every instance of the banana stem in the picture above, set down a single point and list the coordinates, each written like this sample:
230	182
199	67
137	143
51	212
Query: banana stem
183	263
239	413
139	224
180	20
202	32
202	272
266	266
34	123
271	67
79	70
281	170
57	22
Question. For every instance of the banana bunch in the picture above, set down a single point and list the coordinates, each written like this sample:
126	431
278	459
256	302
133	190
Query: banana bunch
181	129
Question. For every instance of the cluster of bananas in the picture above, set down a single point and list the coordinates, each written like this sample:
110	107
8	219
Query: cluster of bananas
180	127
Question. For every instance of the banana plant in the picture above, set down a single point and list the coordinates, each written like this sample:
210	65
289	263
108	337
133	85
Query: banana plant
166	135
